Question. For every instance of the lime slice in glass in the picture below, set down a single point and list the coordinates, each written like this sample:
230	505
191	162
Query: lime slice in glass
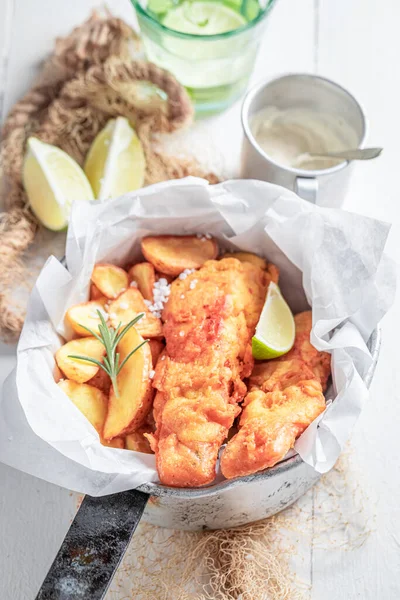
275	330
203	18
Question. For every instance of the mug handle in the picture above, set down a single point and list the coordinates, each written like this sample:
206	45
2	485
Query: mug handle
307	188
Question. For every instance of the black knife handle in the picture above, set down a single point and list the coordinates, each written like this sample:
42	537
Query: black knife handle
93	547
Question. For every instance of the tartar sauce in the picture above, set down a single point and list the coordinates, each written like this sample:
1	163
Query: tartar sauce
289	136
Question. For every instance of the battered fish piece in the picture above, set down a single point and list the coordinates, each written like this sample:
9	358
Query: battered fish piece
286	395
210	318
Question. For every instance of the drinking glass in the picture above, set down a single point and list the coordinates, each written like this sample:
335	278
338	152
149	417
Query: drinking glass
215	69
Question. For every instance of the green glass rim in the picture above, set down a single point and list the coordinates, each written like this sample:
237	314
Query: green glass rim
210	38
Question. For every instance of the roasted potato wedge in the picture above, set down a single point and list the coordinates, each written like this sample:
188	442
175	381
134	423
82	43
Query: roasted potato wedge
90	401
86	314
169	278
145	276
127	412
115	443
137	442
95	293
173	254
247	257
93	405
273	272
57	373
127	306
110	280
79	370
101	381
156	347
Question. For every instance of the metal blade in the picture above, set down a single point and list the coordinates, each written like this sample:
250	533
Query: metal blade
93	547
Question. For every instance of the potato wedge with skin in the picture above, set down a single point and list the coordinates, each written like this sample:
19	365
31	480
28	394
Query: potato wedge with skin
79	370
115	443
145	276
273	272
127	306
101	381
95	293
169	278
91	402
127	412
156	347
110	280
86	314
173	254
93	405
137	442
247	257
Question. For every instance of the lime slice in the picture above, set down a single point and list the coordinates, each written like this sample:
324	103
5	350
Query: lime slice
115	163
203	18
275	330
53	180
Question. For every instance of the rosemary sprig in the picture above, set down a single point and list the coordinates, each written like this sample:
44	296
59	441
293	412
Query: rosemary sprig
110	338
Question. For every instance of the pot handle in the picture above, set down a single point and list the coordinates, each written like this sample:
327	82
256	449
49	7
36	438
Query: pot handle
93	547
307	188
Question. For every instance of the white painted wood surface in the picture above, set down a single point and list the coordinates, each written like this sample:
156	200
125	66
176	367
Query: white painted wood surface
357	43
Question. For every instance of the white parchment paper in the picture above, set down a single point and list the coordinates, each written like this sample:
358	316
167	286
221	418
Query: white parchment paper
330	259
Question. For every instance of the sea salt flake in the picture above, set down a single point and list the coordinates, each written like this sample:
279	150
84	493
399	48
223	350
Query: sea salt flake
133	284
182	296
151	374
163	358
162	281
193	284
147	303
183	275
124	305
208	236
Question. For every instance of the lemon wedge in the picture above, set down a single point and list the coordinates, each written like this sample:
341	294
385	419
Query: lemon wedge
53	180
275	330
115	163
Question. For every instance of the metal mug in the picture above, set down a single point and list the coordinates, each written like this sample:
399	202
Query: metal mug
325	187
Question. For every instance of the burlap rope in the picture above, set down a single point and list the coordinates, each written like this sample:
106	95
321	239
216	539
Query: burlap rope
90	77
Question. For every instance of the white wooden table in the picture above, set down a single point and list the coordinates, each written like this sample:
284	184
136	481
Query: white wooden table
356	43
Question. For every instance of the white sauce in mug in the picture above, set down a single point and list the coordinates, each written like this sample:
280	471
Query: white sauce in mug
289	136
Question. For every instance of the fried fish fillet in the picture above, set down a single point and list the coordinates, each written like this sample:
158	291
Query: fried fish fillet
286	395
209	320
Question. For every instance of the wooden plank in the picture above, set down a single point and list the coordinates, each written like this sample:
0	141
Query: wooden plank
6	18
359	48
34	27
